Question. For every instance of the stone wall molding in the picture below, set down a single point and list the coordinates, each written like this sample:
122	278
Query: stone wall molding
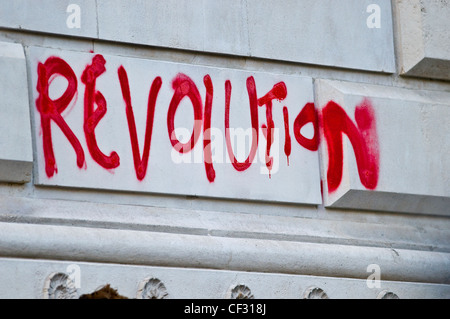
59	286
243	254
152	288
239	292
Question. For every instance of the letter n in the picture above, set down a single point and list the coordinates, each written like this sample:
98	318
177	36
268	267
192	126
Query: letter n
362	136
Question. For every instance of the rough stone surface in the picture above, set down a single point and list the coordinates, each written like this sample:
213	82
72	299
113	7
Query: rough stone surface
296	178
27	280
412	154
50	16
289	30
392	241
16	158
423	40
286	31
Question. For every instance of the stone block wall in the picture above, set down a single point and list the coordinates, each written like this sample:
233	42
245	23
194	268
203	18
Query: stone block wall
263	149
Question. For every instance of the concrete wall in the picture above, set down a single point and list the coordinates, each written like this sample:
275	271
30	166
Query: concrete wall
16	150
373	188
423	42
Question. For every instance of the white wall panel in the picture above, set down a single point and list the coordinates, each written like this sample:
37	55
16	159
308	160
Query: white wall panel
410	131
16	158
72	18
292	178
423	38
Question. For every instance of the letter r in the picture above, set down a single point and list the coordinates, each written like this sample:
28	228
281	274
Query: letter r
51	110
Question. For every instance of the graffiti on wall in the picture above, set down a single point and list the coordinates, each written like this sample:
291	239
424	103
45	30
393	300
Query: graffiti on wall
331	122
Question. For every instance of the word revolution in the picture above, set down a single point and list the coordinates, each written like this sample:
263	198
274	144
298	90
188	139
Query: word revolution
267	104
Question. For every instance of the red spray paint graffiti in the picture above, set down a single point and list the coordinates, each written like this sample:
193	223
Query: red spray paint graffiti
307	115
251	89
91	117
287	135
140	164
333	120
184	87
363	138
278	92
51	110
207	153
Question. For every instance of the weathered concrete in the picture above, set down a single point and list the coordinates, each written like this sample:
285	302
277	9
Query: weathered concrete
332	33
423	39
412	154
286	31
210	242
16	157
87	244
295	177
27	280
51	16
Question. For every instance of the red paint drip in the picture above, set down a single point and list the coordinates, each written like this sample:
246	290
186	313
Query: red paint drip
307	115
91	117
140	164
207	154
287	135
51	110
278	92
321	188
184	86
251	89
363	138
